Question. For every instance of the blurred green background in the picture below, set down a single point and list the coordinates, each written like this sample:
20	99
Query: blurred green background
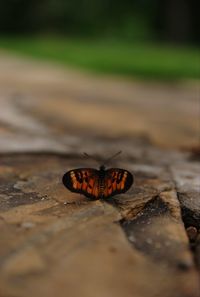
150	39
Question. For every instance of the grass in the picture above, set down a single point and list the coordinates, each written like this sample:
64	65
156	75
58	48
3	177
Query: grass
146	60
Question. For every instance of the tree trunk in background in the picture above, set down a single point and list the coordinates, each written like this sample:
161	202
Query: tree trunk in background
176	20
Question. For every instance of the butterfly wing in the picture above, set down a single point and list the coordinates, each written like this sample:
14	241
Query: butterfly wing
117	181
84	181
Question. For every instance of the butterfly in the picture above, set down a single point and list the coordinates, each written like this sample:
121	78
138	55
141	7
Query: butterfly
98	184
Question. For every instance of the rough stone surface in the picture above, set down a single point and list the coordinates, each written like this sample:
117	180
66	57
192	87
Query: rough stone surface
56	243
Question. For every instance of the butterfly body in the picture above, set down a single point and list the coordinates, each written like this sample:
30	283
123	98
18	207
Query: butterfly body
98	184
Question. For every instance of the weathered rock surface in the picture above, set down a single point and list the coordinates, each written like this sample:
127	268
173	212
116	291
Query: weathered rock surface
52	239
56	243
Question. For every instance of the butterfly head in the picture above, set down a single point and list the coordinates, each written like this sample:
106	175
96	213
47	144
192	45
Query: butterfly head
102	167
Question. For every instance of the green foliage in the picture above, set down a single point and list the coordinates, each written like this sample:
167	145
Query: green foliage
144	60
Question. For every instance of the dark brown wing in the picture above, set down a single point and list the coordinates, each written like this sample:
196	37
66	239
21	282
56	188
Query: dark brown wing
84	181
117	181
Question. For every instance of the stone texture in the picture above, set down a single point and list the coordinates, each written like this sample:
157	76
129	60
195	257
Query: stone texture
54	242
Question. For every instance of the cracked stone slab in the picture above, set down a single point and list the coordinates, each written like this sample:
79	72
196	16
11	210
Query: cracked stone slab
187	178
54	242
59	239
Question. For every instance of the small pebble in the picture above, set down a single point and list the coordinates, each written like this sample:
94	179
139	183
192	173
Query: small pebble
192	233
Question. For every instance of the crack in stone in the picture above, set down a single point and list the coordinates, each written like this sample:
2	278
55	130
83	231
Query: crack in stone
189	219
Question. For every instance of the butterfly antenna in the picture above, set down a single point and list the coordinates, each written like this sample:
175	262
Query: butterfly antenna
90	157
112	157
